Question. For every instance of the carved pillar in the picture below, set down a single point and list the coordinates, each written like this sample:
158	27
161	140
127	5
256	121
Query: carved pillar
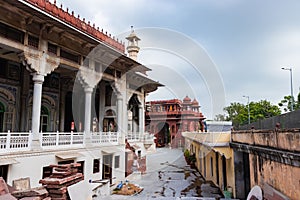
38	80
101	105
39	64
141	121
87	115
89	78
120	115
117	87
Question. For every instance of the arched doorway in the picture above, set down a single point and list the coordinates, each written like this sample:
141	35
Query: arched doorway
109	121
163	135
68	117
44	125
133	114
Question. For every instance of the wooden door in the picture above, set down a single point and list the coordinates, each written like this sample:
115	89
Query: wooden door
107	167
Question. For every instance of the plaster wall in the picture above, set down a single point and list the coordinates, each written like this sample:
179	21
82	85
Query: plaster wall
31	165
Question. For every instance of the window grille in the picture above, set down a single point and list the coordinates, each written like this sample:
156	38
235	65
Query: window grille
33	41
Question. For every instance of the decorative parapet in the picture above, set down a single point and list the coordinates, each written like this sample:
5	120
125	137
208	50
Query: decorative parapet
288	139
209	139
64	15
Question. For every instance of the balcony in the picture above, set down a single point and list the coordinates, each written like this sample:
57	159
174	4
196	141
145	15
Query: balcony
135	136
14	142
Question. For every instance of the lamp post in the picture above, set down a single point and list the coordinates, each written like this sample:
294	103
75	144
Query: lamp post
291	77
248	109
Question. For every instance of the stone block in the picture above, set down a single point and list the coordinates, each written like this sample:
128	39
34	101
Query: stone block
3	187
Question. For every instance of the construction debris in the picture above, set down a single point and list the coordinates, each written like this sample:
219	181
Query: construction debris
35	193
6	193
62	176
127	189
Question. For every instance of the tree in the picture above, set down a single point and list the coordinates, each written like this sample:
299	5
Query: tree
220	117
238	113
287	101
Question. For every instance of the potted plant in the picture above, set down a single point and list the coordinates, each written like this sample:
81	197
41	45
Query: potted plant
186	155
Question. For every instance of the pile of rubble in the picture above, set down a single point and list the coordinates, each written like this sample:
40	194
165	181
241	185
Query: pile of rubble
9	193
62	176
54	187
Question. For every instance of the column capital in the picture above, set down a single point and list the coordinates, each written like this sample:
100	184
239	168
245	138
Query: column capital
88	89
37	78
119	97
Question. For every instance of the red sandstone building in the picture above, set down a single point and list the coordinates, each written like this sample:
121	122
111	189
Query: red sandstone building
167	119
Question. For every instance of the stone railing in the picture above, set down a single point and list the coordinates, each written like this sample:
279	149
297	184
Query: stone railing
131	137
49	140
105	137
14	142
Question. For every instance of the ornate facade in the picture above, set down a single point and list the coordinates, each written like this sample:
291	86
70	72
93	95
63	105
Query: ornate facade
66	89
167	119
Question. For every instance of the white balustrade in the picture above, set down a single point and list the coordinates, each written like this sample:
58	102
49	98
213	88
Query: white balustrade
148	137
63	140
105	137
12	142
132	136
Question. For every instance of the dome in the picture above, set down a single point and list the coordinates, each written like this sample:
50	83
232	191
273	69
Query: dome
195	102
186	100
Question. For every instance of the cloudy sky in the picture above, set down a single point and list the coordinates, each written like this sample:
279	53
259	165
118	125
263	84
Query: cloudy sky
212	50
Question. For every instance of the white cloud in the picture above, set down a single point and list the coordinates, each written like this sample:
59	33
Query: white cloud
248	40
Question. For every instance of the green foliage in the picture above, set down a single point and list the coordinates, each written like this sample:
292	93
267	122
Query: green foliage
238	113
186	153
286	103
220	117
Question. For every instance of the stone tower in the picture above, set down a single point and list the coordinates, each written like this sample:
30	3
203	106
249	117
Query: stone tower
133	47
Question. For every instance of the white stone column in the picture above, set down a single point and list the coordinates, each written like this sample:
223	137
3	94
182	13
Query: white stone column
38	80
141	121
101	106
119	119
62	111
87	115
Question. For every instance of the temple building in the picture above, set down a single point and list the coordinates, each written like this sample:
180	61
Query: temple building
66	91
167	119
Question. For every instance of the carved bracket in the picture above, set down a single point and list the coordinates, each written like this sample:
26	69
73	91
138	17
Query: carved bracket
116	86
38	61
88	77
